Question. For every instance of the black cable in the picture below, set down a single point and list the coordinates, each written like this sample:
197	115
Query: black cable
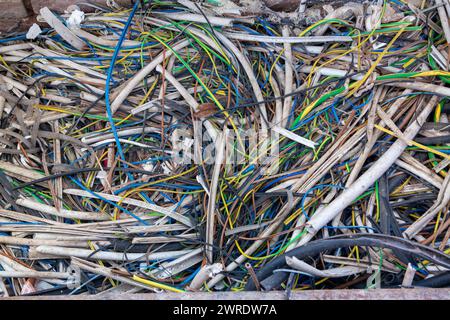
434	140
78	171
440	281
314	248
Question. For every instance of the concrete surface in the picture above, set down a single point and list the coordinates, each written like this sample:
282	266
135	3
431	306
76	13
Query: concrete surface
345	294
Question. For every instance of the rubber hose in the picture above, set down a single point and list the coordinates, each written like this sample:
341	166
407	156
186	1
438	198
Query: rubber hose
315	247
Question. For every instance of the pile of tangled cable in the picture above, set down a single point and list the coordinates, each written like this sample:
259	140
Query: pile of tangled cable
199	146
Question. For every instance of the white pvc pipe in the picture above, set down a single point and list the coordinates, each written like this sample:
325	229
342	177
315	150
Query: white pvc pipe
34	274
93	138
269	39
37	242
205	273
302	266
211	208
108	255
215	21
70	214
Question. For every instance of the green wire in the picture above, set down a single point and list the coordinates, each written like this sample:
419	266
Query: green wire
377	199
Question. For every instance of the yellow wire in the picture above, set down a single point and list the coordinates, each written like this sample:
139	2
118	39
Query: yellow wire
416	144
359	83
156	284
399	188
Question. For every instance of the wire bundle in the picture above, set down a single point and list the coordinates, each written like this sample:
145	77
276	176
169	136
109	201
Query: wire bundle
174	147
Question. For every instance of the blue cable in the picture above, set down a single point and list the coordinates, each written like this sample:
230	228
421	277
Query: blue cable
78	183
107	89
189	278
320	186
109	76
21	37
